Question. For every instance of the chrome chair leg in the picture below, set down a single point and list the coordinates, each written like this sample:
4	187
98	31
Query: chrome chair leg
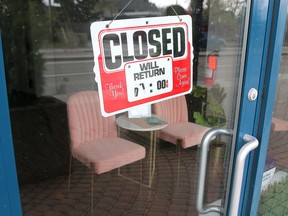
70	170
178	154
141	175
131	179
92	189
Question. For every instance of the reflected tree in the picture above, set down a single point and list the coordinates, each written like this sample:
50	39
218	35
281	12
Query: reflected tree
74	17
79	10
196	13
23	26
196	8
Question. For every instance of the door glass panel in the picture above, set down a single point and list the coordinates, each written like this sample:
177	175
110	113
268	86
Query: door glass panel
48	57
274	191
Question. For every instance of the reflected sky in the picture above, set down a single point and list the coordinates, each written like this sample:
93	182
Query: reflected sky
159	3
164	3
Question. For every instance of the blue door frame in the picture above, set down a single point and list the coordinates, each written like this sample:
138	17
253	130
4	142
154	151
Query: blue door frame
269	77
252	73
263	55
9	192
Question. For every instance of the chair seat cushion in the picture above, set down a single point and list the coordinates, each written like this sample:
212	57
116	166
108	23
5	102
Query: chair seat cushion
279	125
108	153
189	134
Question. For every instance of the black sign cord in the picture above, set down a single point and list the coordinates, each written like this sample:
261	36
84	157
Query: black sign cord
107	26
176	13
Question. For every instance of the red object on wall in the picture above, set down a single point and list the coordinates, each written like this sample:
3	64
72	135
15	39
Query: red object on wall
211	69
212	62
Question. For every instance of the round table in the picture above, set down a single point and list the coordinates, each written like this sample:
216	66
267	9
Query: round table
151	124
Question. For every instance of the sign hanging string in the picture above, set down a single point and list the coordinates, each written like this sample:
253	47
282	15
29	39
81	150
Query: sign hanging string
108	25
176	13
119	13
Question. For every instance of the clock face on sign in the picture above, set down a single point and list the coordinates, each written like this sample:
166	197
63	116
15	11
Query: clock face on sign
149	78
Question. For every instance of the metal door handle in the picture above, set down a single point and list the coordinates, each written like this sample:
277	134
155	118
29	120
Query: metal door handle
202	171
251	144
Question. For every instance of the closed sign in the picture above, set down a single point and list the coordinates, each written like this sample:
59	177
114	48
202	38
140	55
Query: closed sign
141	61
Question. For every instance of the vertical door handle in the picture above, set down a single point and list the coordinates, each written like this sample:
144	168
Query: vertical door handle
252	143
202	171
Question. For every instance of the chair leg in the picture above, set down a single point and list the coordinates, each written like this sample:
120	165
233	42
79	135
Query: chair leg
92	189
178	151
140	182
70	170
141	175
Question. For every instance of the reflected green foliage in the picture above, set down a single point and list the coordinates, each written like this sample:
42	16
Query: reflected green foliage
213	113
274	200
199	92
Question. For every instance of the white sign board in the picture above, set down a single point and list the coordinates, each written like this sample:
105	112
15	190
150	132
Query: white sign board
141	61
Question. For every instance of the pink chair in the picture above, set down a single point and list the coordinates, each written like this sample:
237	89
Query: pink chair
279	124
94	140
179	131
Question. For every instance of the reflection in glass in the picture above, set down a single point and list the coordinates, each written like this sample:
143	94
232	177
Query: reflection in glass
274	190
48	57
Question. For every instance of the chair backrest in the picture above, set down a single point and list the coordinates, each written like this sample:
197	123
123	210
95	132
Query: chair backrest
85	120
174	109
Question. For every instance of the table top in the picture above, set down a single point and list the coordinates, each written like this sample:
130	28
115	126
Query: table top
141	124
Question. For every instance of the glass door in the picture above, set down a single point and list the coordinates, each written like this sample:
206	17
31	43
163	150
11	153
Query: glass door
48	57
274	189
269	168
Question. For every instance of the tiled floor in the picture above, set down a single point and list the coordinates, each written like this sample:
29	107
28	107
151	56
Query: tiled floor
173	191
273	200
113	195
278	149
